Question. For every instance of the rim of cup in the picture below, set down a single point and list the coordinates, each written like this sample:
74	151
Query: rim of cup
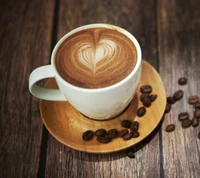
98	25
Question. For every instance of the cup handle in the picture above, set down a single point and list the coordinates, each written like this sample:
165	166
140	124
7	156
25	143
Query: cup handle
40	92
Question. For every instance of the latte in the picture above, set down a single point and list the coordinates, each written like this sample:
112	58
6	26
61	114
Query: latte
96	58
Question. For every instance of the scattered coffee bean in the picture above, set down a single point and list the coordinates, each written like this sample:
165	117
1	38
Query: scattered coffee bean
195	122
135	133
170	128
182	81
100	132
141	111
130	154
199	135
103	139
168	108
182	116
146	102
87	135
197	113
152	97
193	99
126	123
186	123
146	89
178	95
128	136
197	106
143	95
122	132
135	125
171	100
113	133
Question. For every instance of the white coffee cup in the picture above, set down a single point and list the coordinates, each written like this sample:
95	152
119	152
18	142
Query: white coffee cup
100	104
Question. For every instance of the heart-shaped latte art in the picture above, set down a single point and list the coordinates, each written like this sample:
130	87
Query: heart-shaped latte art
95	57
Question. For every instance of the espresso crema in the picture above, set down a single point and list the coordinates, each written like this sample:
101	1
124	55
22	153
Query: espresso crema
96	58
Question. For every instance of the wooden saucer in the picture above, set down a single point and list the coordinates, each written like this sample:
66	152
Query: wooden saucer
67	125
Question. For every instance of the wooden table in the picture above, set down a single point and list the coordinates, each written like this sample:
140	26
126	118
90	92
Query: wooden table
169	35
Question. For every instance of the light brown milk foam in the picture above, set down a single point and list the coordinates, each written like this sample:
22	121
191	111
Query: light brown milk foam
96	58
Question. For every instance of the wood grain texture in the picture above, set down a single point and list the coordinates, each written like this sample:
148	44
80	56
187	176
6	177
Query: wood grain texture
178	40
128	14
168	32
25	44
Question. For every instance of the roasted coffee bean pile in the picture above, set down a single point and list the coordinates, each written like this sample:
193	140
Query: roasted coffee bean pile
102	135
146	98
129	128
184	117
130	131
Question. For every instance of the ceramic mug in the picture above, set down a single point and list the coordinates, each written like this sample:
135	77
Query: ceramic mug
101	103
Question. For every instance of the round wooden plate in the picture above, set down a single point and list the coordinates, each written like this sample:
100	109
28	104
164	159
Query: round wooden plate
67	125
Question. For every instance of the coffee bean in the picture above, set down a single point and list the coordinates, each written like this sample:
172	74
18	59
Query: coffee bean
182	116
146	102
130	154
152	97
141	111
197	113
87	135
146	89
178	95
193	99
195	122
168	108
103	139
128	136
126	123
135	125
135	134
197	106
143	95
122	132
186	123
112	133
100	132
182	81
170	128
171	100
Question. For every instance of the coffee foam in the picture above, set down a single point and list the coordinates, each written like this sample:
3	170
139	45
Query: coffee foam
91	56
96	58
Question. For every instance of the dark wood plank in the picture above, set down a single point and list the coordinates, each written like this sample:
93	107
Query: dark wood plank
25	37
169	33
178	40
141	21
139	18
